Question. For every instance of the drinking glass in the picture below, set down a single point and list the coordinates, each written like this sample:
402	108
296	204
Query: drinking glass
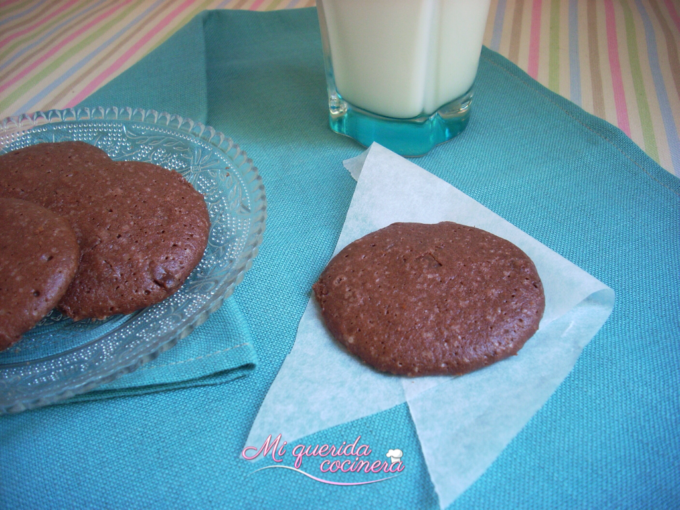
401	72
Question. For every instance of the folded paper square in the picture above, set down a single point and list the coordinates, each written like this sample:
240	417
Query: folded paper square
463	423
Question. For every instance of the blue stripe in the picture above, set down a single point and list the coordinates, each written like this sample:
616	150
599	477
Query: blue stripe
48	34
40	95
498	25
662	96
22	13
574	62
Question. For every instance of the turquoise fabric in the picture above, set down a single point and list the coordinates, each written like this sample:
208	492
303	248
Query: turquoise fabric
608	438
218	351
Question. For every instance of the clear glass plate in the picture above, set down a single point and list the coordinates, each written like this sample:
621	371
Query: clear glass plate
60	358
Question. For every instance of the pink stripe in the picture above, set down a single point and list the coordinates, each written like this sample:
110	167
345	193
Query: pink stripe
58	46
617	81
36	25
534	42
92	86
8	2
256	4
673	13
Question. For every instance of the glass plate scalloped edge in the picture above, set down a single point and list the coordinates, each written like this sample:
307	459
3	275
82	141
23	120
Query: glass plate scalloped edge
238	208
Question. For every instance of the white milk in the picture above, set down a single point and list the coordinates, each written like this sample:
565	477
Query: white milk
404	58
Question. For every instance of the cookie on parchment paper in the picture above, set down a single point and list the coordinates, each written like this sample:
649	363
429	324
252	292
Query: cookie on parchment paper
419	299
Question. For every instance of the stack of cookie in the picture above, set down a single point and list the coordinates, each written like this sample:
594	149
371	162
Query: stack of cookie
92	236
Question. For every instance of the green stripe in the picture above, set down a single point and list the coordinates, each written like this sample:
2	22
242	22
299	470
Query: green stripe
31	35
75	24
554	51
6	11
639	86
54	64
184	21
95	67
274	5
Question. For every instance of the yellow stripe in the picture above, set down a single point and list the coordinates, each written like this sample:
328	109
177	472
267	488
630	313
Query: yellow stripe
13	9
47	44
114	51
564	69
648	81
553	68
42	76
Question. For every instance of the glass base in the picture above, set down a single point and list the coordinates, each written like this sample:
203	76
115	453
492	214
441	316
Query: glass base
407	137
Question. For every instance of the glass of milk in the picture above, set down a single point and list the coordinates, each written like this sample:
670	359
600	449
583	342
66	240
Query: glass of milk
401	72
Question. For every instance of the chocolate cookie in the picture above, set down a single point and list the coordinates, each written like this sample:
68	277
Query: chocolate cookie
141	228
37	173
38	259
142	231
416	299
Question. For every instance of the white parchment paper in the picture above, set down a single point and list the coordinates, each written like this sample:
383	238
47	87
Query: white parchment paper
463	423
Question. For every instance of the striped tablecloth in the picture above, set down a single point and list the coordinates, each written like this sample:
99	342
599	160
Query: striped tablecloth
617	59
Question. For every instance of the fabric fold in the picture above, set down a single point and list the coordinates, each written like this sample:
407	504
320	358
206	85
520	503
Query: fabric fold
607	437
173	78
218	351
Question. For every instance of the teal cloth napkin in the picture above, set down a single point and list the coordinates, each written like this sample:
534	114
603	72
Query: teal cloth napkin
221	349
607	438
218	351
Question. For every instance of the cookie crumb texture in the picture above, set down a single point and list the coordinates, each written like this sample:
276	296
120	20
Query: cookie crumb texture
417	299
141	228
38	258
